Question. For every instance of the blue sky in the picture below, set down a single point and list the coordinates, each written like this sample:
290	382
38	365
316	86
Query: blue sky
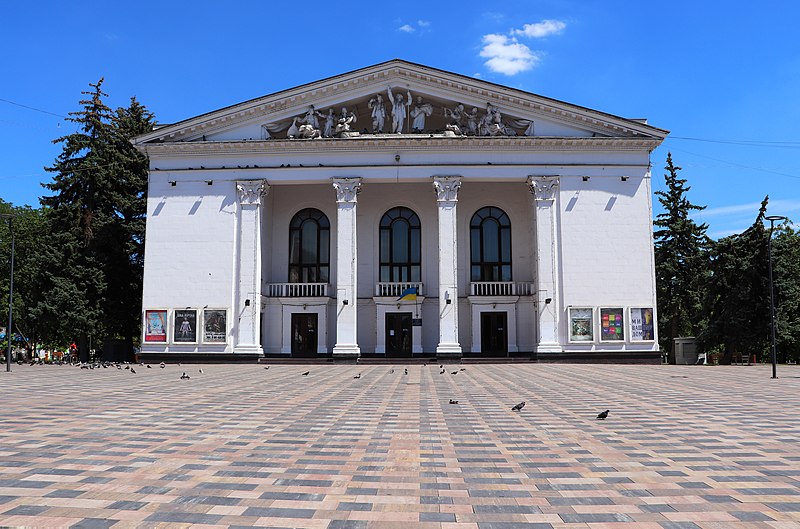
723	78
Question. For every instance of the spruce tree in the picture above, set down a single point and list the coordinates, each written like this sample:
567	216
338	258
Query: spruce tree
681	255
786	271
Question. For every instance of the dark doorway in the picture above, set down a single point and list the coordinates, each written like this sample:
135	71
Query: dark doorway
304	334
494	333
398	334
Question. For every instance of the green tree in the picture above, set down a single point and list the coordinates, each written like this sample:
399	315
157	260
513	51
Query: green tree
681	255
738	293
786	273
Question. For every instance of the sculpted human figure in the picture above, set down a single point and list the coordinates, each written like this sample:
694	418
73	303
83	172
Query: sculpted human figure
455	115
345	120
399	107
472	122
330	119
311	116
419	112
378	113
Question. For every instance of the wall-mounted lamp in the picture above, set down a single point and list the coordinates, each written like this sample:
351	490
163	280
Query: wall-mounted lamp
494	305
586	178
624	178
210	182
447	299
173	183
345	302
398	305
304	306
547	301
247	303
396	157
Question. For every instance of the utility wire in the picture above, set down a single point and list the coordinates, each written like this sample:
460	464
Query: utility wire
32	108
749	143
740	165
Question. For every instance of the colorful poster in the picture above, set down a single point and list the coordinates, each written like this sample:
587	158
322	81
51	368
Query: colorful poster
642	327
611	325
215	328
155	326
184	326
581	328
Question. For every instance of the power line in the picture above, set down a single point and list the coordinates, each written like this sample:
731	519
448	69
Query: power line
32	108
748	143
740	165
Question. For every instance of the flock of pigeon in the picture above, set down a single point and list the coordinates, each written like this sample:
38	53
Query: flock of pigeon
185	376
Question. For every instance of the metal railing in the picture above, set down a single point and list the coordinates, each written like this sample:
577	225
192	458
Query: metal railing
501	288
297	290
396	289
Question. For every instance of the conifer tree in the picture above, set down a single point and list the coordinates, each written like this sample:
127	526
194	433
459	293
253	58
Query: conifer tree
681	255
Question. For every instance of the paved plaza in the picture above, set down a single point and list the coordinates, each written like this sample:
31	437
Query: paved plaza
241	445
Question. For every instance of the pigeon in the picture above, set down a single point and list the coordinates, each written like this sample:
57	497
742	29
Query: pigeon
441	372
306	373
201	370
441	366
454	373
162	365
127	367
453	401
266	367
463	369
357	376
406	371
424	364
602	415
148	366
133	371
391	371
519	406
184	376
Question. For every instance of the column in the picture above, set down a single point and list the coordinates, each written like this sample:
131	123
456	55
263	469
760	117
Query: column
447	197
544	190
247	308
346	266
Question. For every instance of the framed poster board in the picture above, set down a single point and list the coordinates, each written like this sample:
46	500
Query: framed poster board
612	324
215	326
581	324
642	326
155	326
184	326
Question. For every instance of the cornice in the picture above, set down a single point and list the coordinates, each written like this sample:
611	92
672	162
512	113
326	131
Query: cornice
277	106
405	143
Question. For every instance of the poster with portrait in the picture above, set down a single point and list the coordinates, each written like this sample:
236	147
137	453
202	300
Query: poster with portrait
612	325
184	326
581	327
642	327
155	326
215	326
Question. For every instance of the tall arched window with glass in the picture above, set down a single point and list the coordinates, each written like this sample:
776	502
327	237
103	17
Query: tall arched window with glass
400	246
309	247
490	243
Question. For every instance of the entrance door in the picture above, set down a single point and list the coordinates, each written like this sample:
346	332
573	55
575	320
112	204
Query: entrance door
398	334
494	333
304	334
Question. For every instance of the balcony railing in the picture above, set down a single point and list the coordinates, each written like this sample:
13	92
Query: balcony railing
297	290
390	290
501	288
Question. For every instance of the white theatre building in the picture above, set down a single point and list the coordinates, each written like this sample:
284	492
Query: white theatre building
401	211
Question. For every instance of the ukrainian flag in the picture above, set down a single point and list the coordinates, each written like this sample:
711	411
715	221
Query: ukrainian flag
409	294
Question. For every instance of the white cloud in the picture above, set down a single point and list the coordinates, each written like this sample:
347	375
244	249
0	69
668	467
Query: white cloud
507	56
423	23
540	29
405	28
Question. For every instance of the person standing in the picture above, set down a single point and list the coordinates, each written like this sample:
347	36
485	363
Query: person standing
399	109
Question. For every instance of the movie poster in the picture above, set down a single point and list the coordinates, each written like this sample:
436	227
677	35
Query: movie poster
215	329
642	327
612	328
155	326
184	326
581	328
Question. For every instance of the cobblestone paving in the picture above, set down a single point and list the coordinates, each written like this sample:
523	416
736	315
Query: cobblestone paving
242	446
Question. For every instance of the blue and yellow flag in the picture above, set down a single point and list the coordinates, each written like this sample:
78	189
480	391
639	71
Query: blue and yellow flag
409	294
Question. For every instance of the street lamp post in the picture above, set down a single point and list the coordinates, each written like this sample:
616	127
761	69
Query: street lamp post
772	219
10	218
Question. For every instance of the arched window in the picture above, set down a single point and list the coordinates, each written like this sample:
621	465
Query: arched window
400	246
309	247
490	239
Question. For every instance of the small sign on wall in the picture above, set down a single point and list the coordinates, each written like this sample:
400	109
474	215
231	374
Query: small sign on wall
416	322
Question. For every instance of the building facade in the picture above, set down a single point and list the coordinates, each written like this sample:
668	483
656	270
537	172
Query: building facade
398	211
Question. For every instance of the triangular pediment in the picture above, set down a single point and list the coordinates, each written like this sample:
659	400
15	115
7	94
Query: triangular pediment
452	105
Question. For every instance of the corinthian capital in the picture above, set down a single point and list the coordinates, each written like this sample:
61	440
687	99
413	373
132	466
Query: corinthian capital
346	189
447	188
543	187
251	191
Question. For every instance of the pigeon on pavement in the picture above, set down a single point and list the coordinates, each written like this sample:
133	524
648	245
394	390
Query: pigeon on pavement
306	373
602	415
357	376
133	371
453	401
519	406
184	376
454	373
